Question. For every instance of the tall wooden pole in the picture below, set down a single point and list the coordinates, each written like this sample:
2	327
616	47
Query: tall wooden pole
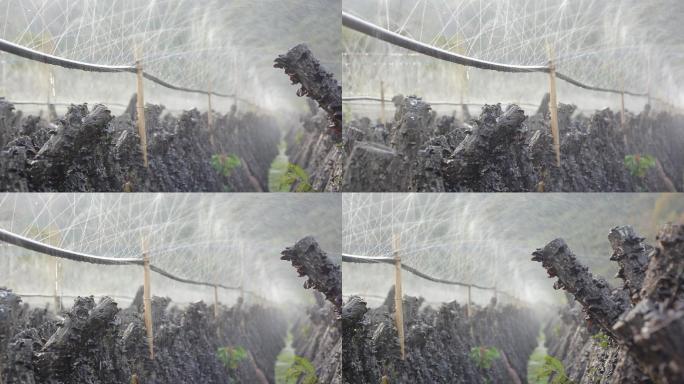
141	105
382	102
56	271
398	297
57	267
210	116
622	109
215	302
146	298
468	305
553	105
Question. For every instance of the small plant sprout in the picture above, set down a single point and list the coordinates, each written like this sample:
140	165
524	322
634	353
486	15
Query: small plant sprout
601	339
302	371
295	175
225	164
638	165
230	357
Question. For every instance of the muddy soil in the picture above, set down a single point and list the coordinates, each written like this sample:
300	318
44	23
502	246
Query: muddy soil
439	343
101	343
89	149
629	334
505	150
317	335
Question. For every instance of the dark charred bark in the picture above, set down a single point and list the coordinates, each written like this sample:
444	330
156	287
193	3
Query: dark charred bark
322	274
631	254
595	295
303	68
652	330
100	344
438	343
504	150
89	150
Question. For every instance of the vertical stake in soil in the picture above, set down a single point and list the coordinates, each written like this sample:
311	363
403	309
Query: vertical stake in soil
141	105
553	106
382	102
622	109
468	309
398	297
57	271
215	302
57	267
210	117
146	298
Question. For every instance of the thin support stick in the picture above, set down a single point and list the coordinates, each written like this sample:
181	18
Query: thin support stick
468	305
210	117
382	102
141	106
57	267
147	300
553	107
215	302
398	302
622	110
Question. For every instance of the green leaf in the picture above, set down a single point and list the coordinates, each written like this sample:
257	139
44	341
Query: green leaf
302	371
224	164
638	165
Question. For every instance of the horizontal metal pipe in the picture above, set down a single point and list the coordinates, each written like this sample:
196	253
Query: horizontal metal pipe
388	260
36	246
34	55
373	30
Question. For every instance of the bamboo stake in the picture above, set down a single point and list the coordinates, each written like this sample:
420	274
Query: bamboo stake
210	117
553	105
146	298
48	47
141	105
215	302
398	297
622	109
57	269
382	102
468	308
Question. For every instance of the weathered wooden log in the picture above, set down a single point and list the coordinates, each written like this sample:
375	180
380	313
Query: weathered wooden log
323	275
654	329
84	327
594	294
631	254
303	68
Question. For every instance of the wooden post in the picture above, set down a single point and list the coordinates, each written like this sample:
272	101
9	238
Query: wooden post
57	267
468	308
146	298
215	302
210	117
382	102
56	271
398	297
622	109
553	105
141	105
